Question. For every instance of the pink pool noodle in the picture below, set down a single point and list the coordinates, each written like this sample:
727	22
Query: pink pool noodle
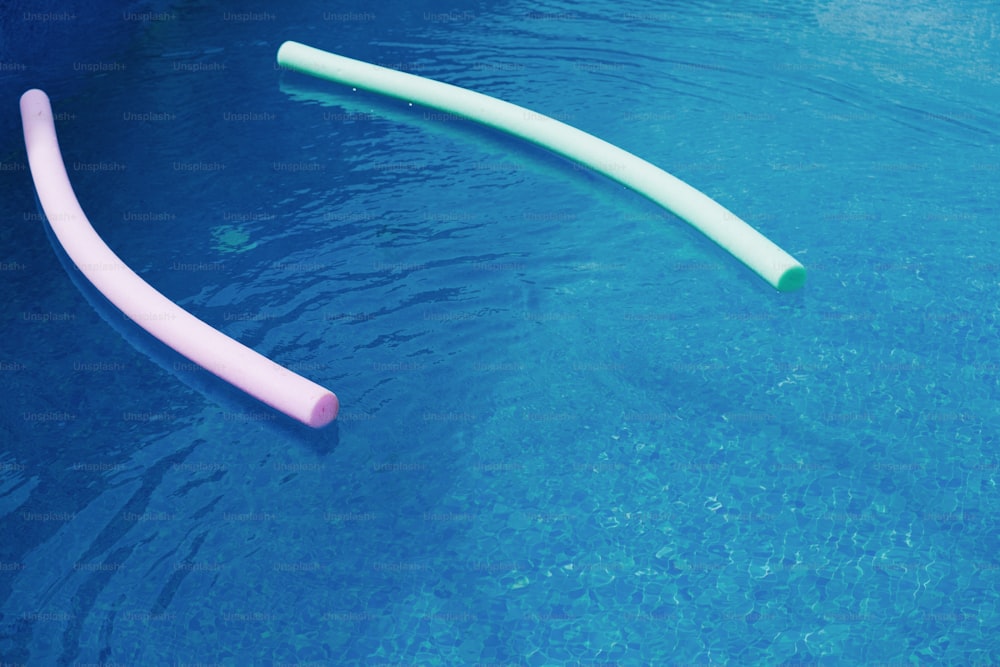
232	361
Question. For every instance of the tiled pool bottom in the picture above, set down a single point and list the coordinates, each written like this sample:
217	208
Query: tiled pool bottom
494	548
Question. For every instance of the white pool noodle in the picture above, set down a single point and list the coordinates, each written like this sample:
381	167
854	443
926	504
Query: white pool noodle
741	240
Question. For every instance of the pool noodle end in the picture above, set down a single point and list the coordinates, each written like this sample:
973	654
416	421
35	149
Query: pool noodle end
792	279
324	410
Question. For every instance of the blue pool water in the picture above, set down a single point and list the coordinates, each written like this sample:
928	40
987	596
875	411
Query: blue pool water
573	431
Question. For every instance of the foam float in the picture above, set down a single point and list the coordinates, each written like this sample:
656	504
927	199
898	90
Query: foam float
271	383
737	237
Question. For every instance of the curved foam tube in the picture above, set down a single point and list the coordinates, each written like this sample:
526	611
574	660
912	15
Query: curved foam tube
265	380
740	239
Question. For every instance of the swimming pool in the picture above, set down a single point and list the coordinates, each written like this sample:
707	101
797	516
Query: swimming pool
572	430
